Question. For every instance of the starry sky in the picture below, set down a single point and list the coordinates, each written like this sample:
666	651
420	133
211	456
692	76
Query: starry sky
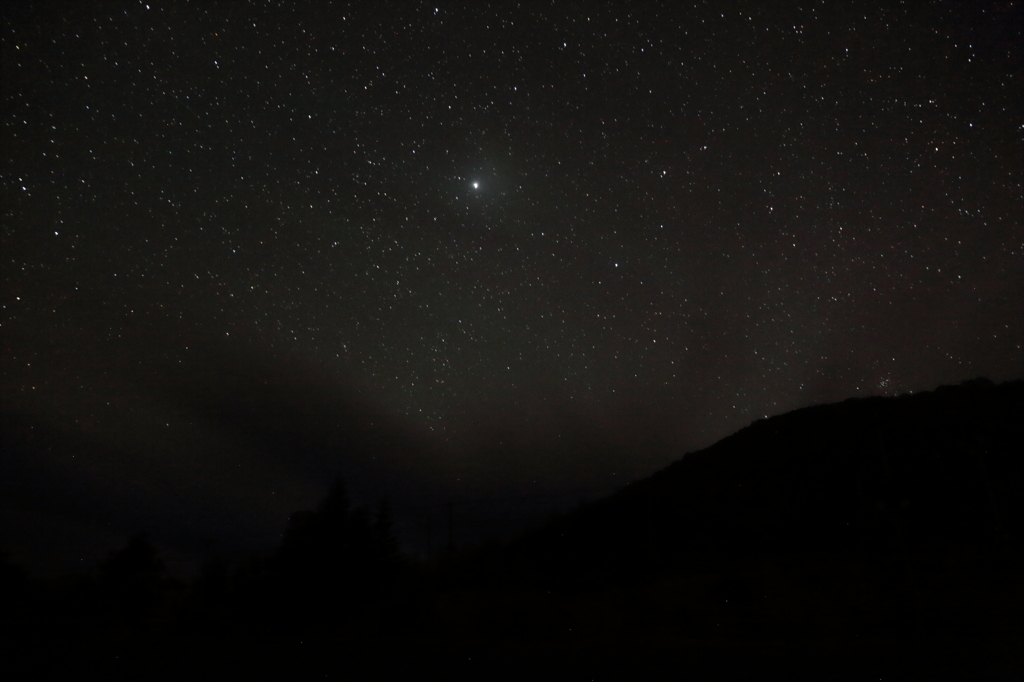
471	250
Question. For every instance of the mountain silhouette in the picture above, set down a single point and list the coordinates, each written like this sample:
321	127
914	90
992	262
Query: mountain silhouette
871	516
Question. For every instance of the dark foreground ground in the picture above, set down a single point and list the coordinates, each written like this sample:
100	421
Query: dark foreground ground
139	658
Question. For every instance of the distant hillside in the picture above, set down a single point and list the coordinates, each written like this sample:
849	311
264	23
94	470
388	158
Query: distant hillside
874	519
917	473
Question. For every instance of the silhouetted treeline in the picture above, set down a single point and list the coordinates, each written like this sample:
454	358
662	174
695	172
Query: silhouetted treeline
877	518
338	569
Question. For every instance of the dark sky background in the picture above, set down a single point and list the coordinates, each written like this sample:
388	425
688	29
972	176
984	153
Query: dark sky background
475	251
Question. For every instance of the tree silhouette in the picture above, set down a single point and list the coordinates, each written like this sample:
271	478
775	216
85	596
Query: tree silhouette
129	579
12	589
334	563
387	544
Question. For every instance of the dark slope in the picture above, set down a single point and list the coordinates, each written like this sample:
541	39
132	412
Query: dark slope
926	472
872	518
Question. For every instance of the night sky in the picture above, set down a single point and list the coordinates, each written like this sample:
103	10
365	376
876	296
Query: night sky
466	251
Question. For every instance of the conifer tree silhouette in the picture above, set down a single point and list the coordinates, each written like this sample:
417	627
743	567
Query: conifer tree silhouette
129	579
335	562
